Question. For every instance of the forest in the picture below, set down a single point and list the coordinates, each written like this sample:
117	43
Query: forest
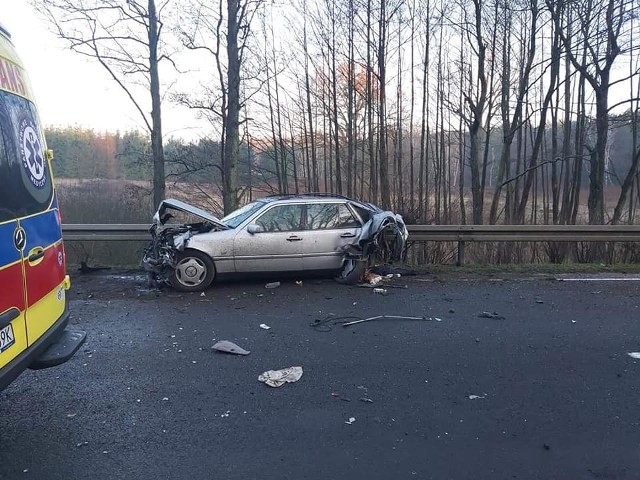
464	111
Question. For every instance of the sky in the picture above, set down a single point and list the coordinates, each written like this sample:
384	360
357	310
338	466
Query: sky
73	90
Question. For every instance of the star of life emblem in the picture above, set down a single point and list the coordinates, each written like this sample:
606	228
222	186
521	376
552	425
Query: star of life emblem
33	158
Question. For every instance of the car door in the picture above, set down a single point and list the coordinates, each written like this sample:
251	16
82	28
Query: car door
332	226
277	246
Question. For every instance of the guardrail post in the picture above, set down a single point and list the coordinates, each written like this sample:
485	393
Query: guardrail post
460	261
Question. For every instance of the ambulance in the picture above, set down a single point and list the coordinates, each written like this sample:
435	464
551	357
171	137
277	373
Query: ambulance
33	282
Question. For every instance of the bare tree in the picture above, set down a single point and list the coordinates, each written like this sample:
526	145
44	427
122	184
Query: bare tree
125	38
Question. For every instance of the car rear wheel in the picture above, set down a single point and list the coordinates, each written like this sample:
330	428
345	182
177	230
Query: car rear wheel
194	271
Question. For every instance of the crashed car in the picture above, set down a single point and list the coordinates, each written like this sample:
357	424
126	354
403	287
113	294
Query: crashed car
273	235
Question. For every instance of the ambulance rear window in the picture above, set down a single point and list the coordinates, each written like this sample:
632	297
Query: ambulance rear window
25	179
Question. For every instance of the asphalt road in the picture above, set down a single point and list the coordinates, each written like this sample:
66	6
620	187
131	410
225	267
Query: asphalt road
546	392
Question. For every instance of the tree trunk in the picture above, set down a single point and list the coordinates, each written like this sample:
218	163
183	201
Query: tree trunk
232	135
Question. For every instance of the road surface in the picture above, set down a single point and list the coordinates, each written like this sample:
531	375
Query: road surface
547	390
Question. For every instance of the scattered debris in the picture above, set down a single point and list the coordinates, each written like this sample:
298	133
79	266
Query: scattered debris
299	283
264	326
229	347
165	399
81	444
203	294
475	397
350	421
272	285
381	291
494	315
539	301
634	355
277	378
371	278
366	400
378	317
335	394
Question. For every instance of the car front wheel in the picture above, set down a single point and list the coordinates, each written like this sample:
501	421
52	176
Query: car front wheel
194	271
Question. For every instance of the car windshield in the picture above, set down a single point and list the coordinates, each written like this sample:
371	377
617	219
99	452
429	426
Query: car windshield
236	217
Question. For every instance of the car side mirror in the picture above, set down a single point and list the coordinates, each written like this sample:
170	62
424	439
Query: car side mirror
253	229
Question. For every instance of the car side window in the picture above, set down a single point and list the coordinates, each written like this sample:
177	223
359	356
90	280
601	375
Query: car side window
330	216
281	218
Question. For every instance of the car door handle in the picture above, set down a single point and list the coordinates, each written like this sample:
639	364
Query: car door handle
9	316
35	255
294	238
347	235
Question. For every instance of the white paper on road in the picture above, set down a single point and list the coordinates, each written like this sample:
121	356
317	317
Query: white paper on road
634	355
277	378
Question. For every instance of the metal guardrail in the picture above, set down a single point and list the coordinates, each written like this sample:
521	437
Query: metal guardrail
417	233
525	233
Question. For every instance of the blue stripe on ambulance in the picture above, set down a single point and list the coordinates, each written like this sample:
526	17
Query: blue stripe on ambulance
8	253
42	230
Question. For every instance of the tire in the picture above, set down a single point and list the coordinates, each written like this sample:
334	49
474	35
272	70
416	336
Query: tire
194	271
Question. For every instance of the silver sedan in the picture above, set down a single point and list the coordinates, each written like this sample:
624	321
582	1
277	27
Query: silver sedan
280	234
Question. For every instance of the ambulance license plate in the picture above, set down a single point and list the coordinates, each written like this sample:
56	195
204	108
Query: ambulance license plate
6	337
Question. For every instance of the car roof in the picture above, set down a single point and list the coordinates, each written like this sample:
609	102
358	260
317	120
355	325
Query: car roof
307	197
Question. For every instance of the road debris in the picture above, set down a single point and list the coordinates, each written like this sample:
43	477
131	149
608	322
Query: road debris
371	278
277	378
494	315
264	326
229	347
366	400
475	397
381	291
299	283
378	317
203	294
350	421
272	285
634	355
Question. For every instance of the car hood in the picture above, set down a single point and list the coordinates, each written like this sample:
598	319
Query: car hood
179	205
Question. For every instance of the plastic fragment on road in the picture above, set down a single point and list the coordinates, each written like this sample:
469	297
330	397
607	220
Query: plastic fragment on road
494	315
264	326
475	397
299	283
272	285
229	347
380	291
350	421
634	355
203	294
277	378
366	400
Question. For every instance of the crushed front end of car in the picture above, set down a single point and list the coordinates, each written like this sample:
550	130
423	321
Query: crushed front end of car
159	258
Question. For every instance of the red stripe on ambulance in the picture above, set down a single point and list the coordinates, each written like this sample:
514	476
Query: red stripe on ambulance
38	284
11	277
